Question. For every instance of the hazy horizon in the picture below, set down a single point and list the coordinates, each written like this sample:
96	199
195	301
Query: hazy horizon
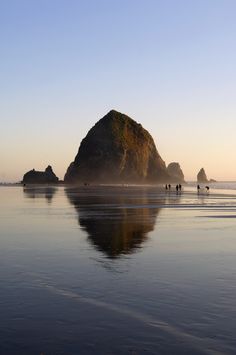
168	65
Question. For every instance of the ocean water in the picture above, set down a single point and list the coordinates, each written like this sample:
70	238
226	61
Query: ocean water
117	270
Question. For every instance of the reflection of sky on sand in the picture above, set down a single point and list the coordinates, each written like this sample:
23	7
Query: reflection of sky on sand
61	266
211	202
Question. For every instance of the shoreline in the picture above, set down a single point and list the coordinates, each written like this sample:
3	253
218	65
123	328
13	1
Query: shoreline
187	189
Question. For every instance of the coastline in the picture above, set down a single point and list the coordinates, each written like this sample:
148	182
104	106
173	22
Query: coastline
222	187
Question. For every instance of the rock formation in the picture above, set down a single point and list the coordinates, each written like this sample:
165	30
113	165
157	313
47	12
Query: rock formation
212	180
117	150
40	177
175	171
201	176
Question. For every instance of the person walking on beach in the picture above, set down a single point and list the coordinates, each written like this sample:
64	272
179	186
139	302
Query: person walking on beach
180	187
169	186
198	188
166	187
207	188
177	189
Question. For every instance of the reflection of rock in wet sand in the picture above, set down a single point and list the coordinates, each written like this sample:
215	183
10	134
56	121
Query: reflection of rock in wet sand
117	221
46	192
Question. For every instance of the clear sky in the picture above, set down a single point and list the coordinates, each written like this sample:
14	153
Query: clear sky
169	64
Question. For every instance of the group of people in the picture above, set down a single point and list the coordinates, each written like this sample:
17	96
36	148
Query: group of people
199	188
178	187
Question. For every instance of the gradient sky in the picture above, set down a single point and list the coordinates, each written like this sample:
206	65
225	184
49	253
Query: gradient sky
169	64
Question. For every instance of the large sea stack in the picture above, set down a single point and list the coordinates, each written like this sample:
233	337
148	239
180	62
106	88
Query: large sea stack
40	177
117	150
201	176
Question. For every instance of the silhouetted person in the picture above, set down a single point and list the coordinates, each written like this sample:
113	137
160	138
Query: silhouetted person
198	188
169	186
177	188
166	187
180	187
207	188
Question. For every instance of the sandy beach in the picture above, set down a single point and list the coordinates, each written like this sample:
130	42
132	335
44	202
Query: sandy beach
149	270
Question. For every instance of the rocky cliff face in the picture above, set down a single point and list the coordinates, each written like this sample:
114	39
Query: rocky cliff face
201	176
40	177
117	150
175	171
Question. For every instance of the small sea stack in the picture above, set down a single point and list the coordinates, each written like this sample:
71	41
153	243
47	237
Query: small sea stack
176	173
40	177
201	177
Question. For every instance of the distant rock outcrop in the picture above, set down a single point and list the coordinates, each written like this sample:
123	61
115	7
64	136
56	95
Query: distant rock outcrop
201	176
175	171
212	180
117	150
40	177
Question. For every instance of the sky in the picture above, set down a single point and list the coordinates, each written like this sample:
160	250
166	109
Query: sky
168	64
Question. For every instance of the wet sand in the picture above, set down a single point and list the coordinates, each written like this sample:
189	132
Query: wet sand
117	270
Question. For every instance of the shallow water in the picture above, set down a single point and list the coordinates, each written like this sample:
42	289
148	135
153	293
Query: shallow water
116	271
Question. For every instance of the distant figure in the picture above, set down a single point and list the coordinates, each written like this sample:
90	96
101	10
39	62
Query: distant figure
177	188
198	188
207	188
180	187
169	186
166	187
